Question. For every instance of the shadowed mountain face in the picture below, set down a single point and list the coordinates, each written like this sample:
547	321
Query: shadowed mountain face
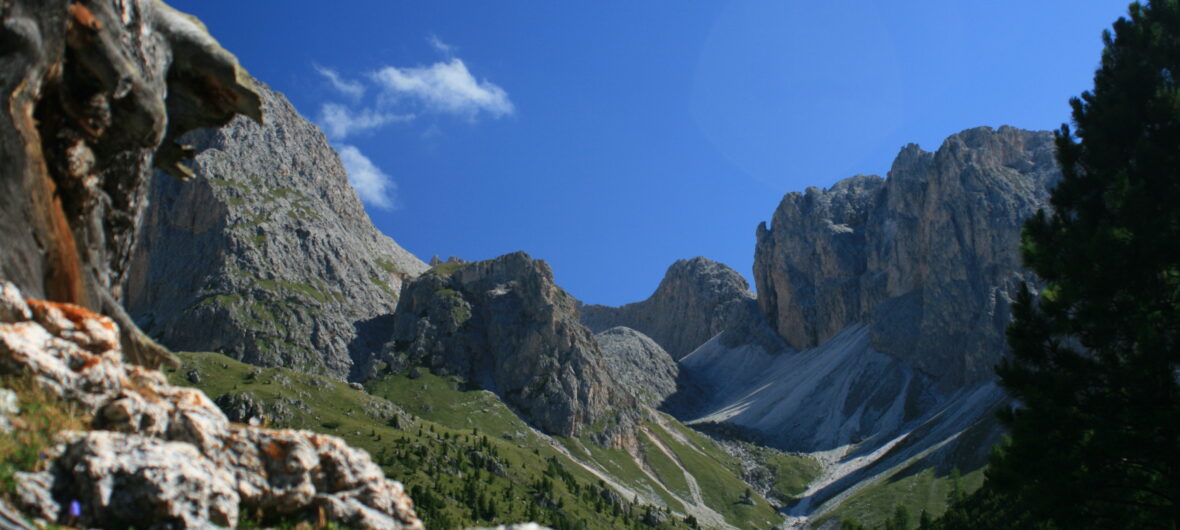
928	259
267	254
505	326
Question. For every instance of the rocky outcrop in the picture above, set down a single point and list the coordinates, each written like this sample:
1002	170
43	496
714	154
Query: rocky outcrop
96	94
927	259
266	255
165	457
503	325
638	365
698	299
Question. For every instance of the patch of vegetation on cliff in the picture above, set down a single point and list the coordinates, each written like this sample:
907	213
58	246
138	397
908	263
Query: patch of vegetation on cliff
42	415
383	285
227	301
389	266
319	294
222	183
446	269
460	310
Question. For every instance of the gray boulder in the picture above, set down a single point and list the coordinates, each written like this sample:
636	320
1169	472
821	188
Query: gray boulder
142	482
241	407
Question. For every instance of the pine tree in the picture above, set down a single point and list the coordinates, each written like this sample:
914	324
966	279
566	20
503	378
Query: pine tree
900	519
1095	429
924	521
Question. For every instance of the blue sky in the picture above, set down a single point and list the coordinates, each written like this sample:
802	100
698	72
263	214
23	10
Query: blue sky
613	138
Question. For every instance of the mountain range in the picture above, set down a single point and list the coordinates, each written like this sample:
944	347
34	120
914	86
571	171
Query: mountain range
858	378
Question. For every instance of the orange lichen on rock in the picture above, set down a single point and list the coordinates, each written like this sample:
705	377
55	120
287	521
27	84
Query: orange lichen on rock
76	314
275	450
88	361
82	15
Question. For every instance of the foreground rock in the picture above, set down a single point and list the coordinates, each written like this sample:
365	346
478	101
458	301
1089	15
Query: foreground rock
266	255
698	299
505	326
162	456
928	259
96	94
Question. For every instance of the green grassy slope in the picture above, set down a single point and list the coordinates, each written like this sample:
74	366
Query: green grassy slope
458	476
657	477
467	459
922	491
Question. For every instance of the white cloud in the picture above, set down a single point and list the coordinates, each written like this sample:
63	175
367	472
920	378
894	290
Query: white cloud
340	122
373	186
440	46
445	87
353	89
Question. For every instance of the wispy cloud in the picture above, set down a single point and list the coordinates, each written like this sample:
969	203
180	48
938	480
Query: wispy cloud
402	95
445	87
352	89
374	186
440	46
340	122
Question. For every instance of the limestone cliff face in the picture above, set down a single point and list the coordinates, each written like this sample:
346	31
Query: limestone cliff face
697	299
267	254
505	326
928	258
96	93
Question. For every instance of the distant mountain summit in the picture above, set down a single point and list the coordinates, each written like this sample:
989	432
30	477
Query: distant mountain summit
267	254
698	299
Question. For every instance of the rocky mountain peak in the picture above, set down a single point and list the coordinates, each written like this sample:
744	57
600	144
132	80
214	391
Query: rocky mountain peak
504	325
704	275
927	258
697	299
638	364
266	254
